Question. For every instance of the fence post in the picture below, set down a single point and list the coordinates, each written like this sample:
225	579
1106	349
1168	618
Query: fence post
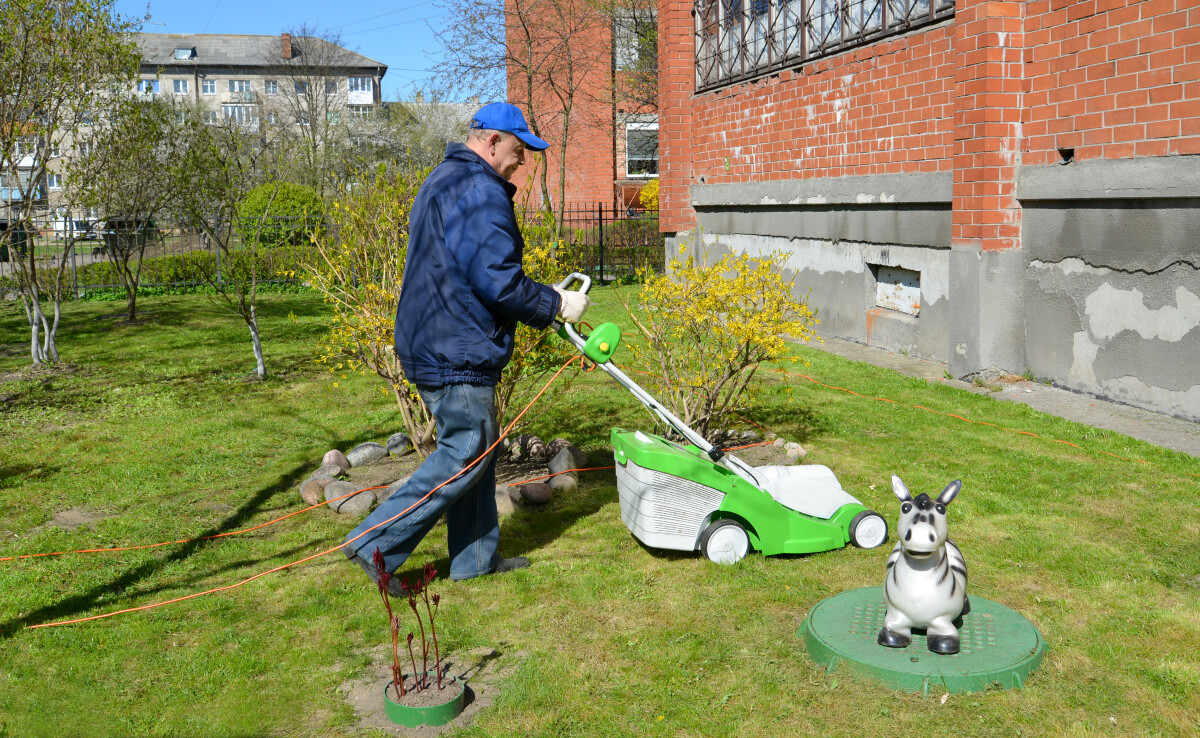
600	230
74	255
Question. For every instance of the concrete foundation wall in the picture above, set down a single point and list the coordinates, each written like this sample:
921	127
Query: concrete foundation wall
1112	288
1103	296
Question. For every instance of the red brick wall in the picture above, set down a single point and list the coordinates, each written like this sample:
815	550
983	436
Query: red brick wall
883	108
1002	84
1112	79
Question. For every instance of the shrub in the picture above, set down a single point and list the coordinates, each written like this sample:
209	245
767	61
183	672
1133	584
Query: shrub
648	197
359	272
280	214
708	327
536	353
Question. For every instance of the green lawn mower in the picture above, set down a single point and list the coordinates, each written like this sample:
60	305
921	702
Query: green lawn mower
695	496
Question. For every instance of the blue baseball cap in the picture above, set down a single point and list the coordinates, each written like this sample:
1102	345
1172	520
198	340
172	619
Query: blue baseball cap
502	116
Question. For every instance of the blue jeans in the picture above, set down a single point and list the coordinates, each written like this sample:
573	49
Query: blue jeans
466	426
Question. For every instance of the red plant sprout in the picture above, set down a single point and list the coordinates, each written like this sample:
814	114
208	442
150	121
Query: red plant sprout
430	573
413	658
393	622
412	603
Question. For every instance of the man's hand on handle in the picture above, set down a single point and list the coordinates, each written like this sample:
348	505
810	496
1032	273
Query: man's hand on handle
572	305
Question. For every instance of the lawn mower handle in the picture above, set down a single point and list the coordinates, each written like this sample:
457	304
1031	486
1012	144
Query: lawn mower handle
572	335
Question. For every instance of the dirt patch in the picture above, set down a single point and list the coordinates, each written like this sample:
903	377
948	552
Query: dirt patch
479	668
70	519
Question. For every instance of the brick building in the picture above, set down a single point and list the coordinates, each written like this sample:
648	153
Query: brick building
990	183
583	58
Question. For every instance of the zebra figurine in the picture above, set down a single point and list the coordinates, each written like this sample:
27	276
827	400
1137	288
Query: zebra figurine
926	582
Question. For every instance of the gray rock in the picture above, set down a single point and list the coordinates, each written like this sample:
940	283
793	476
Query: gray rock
778	443
331	470
564	483
399	444
357	504
391	489
505	502
569	457
558	444
366	453
750	437
794	450
537	493
335	457
312	490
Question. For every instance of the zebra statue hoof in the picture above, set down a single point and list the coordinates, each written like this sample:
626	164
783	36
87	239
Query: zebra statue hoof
942	644
892	639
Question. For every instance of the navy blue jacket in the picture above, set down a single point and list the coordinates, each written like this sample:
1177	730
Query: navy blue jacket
464	288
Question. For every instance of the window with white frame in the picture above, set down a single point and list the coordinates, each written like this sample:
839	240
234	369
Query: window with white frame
180	86
239	85
333	117
302	118
301	87
147	86
210	116
737	40
208	87
359	111
272	117
641	150
271	87
243	114
181	117
331	86
84	148
26	147
54	181
635	38
184	53
360	90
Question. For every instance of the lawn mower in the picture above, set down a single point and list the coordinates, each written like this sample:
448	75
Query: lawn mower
695	496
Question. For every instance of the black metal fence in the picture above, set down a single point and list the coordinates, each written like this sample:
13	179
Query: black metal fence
611	243
607	243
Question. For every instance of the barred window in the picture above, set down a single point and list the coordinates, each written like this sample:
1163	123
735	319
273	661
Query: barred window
740	39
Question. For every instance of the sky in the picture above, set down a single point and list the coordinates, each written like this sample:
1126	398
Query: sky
394	32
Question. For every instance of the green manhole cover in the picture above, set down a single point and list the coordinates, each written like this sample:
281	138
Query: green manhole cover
1000	648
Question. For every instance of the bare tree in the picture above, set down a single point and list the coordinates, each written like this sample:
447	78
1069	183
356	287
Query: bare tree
122	169
546	52
58	61
218	163
310	107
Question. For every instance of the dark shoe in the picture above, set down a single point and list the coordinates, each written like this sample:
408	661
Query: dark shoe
369	567
516	562
942	644
892	639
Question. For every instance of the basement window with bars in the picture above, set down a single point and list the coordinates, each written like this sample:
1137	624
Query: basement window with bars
738	40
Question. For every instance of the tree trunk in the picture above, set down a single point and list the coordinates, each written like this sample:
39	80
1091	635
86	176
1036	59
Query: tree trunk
261	369
131	304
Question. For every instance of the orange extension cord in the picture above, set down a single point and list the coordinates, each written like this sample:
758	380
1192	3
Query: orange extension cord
338	547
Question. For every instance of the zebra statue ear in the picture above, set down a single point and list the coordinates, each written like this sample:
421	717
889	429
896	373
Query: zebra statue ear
950	492
900	490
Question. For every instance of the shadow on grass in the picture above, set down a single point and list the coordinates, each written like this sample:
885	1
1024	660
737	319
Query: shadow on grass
101	594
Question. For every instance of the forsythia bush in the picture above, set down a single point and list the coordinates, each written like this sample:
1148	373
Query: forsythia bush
708	327
359	271
648	197
536	353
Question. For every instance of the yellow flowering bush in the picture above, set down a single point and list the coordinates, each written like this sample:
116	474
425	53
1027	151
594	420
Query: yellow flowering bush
648	197
708	327
536	353
359	271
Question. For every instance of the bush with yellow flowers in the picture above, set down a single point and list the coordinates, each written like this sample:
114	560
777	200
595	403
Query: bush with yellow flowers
648	197
536	353
359	271
708	328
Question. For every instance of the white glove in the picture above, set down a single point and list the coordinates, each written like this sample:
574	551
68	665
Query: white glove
572	305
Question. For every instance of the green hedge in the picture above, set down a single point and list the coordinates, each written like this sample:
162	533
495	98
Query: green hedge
192	267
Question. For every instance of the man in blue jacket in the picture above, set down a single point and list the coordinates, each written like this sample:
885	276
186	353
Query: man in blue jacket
463	292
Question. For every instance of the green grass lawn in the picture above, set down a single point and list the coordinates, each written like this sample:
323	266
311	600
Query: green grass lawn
156	427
